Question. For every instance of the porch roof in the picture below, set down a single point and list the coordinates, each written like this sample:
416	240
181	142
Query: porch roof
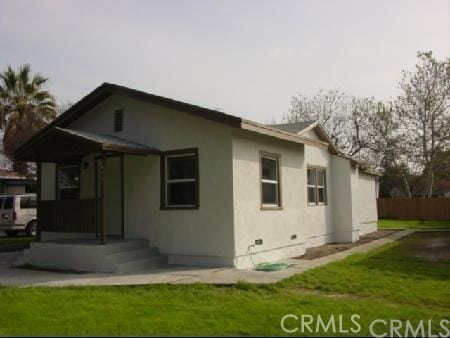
63	145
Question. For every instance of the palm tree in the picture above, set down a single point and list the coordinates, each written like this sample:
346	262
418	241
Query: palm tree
25	108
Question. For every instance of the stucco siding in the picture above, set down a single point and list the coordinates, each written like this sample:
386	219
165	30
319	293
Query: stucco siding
367	204
354	185
344	187
48	175
274	227
312	225
318	218
206	232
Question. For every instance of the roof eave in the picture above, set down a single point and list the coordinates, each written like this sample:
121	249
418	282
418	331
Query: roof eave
310	127
278	133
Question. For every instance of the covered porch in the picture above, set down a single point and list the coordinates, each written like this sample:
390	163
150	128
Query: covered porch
76	213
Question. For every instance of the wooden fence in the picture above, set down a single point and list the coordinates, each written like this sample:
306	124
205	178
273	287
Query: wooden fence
69	215
414	208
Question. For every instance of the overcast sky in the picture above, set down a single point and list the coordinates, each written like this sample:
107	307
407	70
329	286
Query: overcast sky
246	58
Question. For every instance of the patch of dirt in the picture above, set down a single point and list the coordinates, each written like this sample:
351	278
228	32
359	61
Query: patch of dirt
430	246
315	292
332	248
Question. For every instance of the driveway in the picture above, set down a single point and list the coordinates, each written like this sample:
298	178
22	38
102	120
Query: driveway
174	274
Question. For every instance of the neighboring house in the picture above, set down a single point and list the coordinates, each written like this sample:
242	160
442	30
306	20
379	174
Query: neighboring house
201	186
12	182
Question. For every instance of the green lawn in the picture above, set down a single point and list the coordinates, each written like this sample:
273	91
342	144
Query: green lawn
396	281
412	224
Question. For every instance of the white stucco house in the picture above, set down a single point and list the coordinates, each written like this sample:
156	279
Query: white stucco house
127	179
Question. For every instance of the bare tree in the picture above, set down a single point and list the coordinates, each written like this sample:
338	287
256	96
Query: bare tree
387	150
346	119
424	111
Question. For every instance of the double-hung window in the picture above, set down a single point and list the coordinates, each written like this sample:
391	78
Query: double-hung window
180	184
68	182
316	186
270	181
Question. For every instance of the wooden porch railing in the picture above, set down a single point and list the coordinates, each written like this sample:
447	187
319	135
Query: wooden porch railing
69	215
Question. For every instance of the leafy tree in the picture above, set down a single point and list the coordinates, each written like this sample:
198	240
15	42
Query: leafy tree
25	108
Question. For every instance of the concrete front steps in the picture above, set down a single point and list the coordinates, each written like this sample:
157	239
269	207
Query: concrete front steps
115	256
137	259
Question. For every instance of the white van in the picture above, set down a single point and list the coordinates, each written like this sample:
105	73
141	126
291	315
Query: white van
18	213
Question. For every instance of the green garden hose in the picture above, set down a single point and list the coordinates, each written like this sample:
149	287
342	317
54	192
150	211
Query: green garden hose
271	266
266	266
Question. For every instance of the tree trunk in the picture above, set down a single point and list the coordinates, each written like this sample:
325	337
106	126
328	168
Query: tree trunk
408	190
431	182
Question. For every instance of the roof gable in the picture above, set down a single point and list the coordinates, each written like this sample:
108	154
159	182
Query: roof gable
302	128
106	89
294	127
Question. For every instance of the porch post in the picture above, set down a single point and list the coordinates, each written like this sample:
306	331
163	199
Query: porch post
122	193
97	227
102	200
38	199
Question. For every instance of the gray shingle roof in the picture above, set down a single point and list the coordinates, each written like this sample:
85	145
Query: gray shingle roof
294	127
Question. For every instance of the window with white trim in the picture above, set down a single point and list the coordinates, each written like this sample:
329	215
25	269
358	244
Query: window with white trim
270	181
180	188
316	186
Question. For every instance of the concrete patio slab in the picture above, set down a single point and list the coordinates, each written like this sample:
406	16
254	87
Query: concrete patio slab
175	274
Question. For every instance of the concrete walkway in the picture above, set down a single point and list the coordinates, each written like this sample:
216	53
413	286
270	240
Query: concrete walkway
175	274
